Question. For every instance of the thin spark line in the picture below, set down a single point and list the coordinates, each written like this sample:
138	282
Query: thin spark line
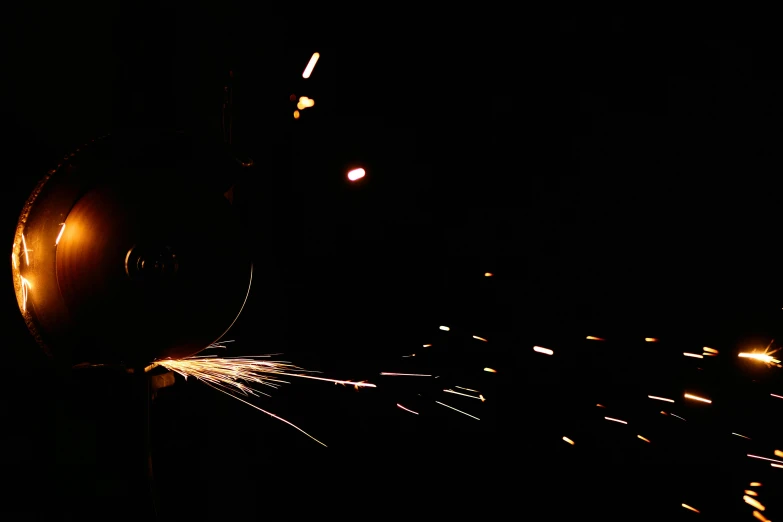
406	409
249	285
460	411
615	420
660	398
463	394
268	413
765	458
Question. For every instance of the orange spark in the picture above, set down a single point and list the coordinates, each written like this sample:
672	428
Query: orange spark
710	350
644	439
593	338
686	506
696	398
600	405
310	65
760	517
755	484
651	339
480	338
356	174
763	357
778	453
488	274
540	349
753	502
751	493
296	115
490	370
568	440
426	346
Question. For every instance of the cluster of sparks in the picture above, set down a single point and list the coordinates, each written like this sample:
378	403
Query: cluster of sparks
244	378
238	377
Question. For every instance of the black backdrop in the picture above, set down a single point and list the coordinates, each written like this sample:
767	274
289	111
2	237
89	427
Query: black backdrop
617	174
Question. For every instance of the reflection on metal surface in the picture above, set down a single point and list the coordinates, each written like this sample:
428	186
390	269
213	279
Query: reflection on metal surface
80	227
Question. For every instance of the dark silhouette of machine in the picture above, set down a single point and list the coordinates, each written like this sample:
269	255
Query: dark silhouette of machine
130	250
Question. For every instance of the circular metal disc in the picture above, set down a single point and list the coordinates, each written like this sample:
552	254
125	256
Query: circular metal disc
129	259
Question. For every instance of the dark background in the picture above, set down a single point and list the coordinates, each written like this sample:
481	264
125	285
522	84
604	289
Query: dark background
618	175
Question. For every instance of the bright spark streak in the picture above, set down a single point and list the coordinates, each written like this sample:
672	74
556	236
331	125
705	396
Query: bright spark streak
490	370
755	484
664	399
355	174
480	338
776	465
568	440
760	357
696	398
710	350
444	328
673	415
540	349
686	506
426	346
751	493
778	396
310	65
743	436
406	409
761	517
405	374
694	355
460	411
480	397
651	339
753	502
232	373
24	247
268	413
56	241
593	338
765	458
644	439
467	389
615	420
